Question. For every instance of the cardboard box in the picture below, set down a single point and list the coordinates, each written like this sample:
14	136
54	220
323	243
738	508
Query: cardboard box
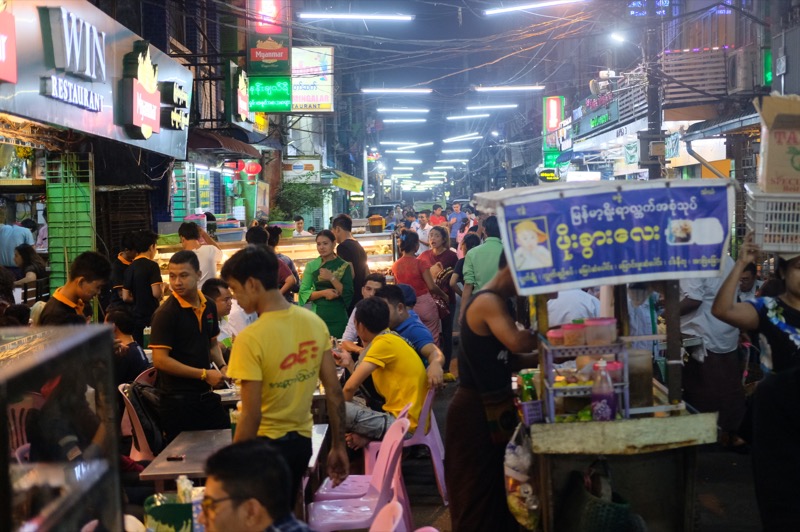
779	165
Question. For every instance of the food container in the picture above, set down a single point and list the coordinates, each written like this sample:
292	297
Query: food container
581	361
555	337
574	334
601	331
376	223
614	369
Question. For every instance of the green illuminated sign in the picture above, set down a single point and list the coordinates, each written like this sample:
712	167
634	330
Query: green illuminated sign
550	157
272	94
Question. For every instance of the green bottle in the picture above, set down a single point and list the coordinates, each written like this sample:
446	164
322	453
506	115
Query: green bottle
528	392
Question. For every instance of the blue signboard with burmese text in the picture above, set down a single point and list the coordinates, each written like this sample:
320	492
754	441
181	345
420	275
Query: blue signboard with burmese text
584	235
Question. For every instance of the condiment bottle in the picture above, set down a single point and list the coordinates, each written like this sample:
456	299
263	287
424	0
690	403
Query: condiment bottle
528	392
604	400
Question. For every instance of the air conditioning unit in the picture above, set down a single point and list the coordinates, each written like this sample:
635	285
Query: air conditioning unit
743	67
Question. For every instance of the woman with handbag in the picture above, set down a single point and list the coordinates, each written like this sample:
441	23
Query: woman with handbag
408	269
481	417
441	260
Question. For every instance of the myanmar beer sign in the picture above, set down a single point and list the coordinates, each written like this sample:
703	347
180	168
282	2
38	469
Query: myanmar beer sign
141	99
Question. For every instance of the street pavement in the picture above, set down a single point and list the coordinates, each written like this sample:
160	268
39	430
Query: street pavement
724	485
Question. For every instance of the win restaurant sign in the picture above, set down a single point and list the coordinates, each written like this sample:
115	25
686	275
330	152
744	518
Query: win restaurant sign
74	70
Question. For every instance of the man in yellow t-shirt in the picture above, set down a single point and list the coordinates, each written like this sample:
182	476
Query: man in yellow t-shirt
278	359
396	370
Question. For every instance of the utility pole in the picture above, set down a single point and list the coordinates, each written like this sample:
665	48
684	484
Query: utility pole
651	49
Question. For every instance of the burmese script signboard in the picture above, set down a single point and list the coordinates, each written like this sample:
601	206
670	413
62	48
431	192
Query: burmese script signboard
585	235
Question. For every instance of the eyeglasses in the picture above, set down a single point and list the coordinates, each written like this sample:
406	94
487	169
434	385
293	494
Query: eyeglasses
209	504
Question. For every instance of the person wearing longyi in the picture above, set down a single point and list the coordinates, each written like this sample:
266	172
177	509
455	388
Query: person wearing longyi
278	360
183	338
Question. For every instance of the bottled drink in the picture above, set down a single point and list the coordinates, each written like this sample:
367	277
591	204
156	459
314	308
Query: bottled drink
604	400
528	392
146	337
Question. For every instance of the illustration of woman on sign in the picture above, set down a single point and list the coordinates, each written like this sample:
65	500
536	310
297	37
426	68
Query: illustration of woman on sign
531	253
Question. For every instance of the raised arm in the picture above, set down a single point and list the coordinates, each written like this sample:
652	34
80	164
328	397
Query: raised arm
725	307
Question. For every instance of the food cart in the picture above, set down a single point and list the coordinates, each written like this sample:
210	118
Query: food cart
609	234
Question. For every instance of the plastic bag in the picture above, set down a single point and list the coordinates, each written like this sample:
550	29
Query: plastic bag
521	493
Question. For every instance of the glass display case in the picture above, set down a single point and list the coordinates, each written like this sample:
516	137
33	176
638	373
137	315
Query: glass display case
60	442
380	248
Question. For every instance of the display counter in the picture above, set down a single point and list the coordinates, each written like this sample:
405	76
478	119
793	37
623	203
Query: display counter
380	249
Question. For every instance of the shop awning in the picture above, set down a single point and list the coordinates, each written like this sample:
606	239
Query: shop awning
346	181
743	122
216	144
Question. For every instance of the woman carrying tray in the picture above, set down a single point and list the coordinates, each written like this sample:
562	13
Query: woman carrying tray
776	404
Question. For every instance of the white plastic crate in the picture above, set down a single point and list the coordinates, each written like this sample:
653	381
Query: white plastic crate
774	219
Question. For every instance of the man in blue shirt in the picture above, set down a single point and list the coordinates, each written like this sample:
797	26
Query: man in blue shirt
454	222
407	324
12	236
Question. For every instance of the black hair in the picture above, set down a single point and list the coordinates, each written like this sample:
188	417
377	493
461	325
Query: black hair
127	241
186	257
426	212
312	229
275	234
30	257
90	265
189	231
9	321
376	278
29	224
391	293
22	313
491	227
373	313
254	469
327	233
212	287
442	232
473	229
772	287
7	280
436	206
471	240
344	221
122	318
409	241
258	262
751	268
143	239
298	218
256	235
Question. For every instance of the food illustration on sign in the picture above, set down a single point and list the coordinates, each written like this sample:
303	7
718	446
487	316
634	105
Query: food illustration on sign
532	247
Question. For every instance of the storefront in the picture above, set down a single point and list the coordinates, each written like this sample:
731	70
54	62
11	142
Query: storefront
70	73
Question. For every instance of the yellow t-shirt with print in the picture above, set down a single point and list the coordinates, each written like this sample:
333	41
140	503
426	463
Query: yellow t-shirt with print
400	377
283	349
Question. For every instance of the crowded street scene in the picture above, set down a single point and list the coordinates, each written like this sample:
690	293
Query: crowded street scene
412	265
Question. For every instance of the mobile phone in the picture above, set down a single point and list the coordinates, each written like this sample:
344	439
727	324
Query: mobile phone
176	458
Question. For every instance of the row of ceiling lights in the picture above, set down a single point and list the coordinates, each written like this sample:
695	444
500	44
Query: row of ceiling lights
409	18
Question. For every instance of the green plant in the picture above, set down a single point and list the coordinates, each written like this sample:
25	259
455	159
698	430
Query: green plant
296	196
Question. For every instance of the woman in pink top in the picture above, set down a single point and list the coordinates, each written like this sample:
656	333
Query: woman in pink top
440	261
408	269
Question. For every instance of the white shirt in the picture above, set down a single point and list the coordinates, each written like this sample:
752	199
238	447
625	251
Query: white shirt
572	305
350	331
238	319
424	234
300	233
209	257
717	336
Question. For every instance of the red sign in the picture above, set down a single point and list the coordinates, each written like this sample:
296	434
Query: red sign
272	54
242	102
553	113
146	107
270	18
8	48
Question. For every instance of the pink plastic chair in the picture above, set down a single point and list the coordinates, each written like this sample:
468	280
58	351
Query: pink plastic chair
148	376
18	416
23	453
389	519
142	451
349	514
432	440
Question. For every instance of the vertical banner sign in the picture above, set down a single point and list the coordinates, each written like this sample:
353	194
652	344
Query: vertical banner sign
268	37
237	97
583	236
553	113
8	46
312	79
141	99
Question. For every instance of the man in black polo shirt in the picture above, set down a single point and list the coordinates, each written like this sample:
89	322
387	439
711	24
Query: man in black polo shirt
184	342
350	250
87	275
142	286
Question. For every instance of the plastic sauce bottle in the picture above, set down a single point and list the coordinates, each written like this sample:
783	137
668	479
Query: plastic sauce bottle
604	400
